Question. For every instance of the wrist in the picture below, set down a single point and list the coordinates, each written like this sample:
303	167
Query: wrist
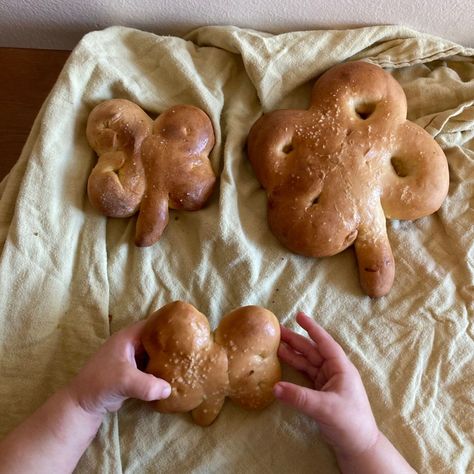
355	452
79	409
379	456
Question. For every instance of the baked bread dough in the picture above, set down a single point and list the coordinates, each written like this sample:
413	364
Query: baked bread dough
335	172
149	165
239	361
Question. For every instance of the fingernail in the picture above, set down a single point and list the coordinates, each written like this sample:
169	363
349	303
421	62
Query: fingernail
277	390
166	392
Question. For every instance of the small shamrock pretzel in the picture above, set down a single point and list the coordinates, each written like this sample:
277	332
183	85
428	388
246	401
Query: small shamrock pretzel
335	172
149	165
240	361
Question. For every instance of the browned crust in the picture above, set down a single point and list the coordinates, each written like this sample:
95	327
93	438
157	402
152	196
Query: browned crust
335	172
240	362
149	166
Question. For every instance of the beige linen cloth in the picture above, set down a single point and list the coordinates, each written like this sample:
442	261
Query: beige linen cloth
69	277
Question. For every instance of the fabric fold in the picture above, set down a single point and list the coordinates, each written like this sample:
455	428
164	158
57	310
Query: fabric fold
69	277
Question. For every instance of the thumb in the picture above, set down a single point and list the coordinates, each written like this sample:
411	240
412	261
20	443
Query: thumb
146	387
309	401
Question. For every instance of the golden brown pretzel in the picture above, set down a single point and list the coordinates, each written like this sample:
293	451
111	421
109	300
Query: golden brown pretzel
239	362
149	165
335	172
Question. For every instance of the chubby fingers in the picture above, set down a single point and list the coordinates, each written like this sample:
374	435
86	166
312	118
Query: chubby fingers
139	384
145	387
303	345
315	404
132	333
327	346
127	341
297	361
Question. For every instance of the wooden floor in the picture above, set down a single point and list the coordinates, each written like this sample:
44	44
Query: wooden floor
26	77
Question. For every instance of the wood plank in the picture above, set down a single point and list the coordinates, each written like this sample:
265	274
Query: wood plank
26	77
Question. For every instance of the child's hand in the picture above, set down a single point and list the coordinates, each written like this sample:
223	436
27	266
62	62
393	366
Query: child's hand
111	375
338	403
56	435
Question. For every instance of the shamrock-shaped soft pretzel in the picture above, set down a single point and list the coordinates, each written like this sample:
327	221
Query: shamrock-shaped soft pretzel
149	165
335	172
240	361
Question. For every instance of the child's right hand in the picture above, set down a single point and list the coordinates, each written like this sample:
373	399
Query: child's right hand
111	376
338	402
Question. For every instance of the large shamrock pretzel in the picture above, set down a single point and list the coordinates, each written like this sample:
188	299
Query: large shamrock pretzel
335	172
239	362
151	165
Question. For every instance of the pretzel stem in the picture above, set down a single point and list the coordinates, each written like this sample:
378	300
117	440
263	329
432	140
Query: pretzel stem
152	219
376	263
208	410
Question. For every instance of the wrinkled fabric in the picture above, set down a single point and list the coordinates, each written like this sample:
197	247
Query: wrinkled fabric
69	277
